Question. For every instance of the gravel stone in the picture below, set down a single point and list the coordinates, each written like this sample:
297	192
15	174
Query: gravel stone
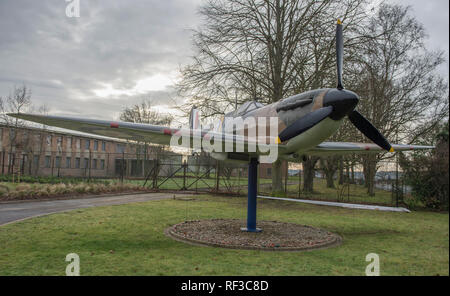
276	236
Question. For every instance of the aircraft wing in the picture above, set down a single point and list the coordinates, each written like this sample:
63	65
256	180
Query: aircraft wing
113	129
138	132
337	148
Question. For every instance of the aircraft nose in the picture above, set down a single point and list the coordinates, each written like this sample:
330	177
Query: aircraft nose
343	102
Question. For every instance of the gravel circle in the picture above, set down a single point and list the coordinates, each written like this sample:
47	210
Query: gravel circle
276	236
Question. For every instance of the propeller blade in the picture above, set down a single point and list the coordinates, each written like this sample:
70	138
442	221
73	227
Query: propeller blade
365	127
305	123
339	53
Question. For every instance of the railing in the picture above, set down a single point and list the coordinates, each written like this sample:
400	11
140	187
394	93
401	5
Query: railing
198	172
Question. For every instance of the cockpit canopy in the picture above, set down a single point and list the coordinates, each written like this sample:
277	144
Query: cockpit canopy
245	108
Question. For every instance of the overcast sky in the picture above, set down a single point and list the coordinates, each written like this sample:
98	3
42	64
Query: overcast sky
119	51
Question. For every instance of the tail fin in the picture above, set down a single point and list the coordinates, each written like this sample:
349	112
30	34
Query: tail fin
194	118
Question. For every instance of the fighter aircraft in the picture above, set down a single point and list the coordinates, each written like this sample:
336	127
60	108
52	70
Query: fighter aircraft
305	121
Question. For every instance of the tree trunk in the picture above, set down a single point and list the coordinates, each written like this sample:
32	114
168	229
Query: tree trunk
352	166
366	172
330	181
347	173
370	165
329	166
308	167
277	177
341	171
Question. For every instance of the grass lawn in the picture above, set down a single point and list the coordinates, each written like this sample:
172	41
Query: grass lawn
129	240
192	183
354	193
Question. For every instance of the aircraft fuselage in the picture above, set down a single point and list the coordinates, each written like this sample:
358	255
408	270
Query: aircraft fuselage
290	110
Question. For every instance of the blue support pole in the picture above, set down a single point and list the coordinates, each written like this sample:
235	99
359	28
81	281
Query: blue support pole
252	192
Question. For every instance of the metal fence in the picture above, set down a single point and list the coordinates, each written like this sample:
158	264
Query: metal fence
200	173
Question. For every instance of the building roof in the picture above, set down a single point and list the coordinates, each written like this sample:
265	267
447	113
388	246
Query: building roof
66	132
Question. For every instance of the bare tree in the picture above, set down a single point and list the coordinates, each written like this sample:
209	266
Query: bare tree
263	49
18	101
309	173
329	166
401	93
144	113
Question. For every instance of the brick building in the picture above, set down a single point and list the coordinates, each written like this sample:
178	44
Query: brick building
43	152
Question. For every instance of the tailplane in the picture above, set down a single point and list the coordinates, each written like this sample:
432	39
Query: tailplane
194	118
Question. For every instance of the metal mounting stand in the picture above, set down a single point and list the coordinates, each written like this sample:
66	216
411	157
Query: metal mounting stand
252	192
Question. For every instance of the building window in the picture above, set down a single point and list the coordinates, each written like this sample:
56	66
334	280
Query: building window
95	145
59	142
58	161
102	164
69	143
36	161
103	146
120	148
86	163
94	164
11	159
68	162
77	163
12	134
78	143
87	144
48	160
269	172
49	140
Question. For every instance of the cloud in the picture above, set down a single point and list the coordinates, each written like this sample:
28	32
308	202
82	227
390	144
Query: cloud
117	52
112	56
434	16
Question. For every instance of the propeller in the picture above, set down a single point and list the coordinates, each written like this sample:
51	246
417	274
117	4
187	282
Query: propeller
339	53
365	127
337	104
356	118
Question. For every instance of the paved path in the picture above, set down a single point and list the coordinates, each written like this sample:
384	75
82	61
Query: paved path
341	204
10	212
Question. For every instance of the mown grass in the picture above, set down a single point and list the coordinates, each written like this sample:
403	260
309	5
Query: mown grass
129	240
350	193
353	193
193	182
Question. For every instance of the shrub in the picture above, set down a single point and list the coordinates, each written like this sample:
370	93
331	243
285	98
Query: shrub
80	188
23	187
3	190
36	190
50	179
42	192
429	177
